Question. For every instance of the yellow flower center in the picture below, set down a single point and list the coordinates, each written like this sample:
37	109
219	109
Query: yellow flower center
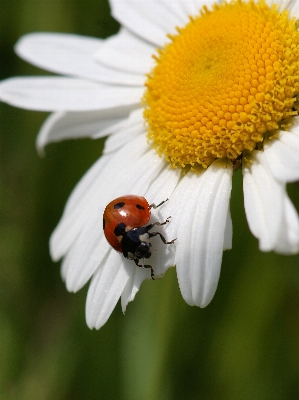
229	77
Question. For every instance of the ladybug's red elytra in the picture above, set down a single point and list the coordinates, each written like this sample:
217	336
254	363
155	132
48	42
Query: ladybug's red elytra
123	223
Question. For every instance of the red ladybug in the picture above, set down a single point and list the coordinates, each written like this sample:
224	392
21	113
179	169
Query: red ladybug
123	223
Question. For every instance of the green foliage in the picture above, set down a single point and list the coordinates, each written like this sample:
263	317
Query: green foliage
244	345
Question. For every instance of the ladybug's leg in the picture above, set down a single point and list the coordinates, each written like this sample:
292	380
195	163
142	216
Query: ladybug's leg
160	204
149	227
151	234
145	266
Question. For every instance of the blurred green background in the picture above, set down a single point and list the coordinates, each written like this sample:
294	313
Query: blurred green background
244	345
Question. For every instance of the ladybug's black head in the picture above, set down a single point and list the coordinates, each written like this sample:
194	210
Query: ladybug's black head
135	243
143	250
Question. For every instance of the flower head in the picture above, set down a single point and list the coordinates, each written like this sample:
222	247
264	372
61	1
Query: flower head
225	80
220	94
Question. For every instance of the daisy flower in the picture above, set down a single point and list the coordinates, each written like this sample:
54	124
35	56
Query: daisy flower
187	92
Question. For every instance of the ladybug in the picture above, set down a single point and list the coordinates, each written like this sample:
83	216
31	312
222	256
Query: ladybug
123	223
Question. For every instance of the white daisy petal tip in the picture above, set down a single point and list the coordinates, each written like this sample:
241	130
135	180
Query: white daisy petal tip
54	248
42	138
282	155
105	289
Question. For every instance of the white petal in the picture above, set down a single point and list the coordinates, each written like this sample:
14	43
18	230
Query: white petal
282	155
117	167
105	289
126	51
65	94
72	125
193	7
288	238
282	5
161	189
87	253
294	125
59	52
76	211
72	55
199	207
128	130
263	196
150	20
228	233
294	9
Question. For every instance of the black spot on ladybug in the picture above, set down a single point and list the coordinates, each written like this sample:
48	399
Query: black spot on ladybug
120	229
139	206
118	205
103	223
